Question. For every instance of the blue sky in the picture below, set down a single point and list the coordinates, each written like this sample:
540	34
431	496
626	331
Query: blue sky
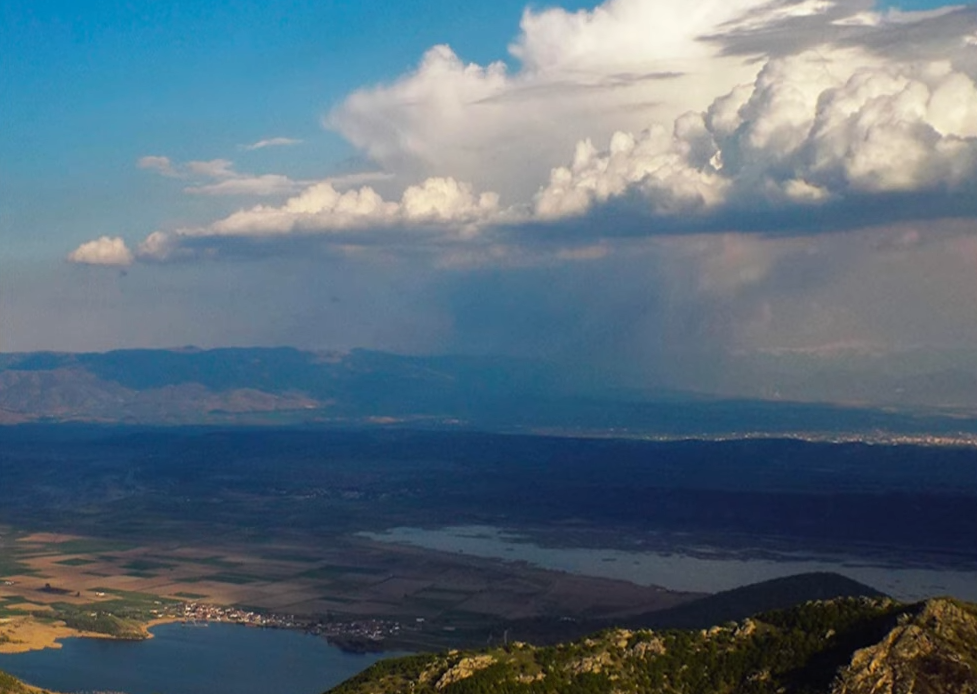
580	200
91	86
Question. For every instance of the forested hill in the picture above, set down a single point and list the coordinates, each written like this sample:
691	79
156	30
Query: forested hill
842	646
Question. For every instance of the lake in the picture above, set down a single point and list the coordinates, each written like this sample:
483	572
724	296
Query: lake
216	659
699	569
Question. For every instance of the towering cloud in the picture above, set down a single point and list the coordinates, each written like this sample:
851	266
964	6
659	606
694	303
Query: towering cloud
813	128
622	65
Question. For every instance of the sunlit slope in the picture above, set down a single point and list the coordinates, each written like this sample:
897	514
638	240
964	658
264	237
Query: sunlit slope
11	685
843	646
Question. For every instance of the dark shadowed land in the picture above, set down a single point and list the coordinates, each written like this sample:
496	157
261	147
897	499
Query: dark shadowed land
272	520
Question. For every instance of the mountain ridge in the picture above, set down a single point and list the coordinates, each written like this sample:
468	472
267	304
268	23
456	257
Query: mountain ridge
283	385
840	646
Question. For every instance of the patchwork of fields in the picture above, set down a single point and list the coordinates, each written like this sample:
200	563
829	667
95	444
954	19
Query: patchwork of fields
46	575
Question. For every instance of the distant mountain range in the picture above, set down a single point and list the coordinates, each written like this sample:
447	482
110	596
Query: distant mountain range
258	385
290	386
912	377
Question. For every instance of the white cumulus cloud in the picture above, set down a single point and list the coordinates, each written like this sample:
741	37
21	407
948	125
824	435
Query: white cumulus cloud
629	66
622	65
445	207
813	127
106	250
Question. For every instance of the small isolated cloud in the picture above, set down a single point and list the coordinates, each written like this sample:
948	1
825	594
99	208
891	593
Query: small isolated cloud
161	165
215	168
271	142
106	251
218	177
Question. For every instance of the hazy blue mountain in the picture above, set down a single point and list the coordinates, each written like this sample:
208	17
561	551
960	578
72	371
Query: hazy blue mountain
284	385
901	378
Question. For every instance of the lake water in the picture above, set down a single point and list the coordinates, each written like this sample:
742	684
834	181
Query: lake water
703	570
224	658
217	659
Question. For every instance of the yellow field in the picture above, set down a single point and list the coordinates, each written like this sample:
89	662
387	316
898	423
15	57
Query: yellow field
22	634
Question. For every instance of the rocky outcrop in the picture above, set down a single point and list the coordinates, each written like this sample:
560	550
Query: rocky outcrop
931	652
840	646
463	669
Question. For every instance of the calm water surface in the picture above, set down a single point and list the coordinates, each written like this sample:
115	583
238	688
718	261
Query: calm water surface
687	571
218	659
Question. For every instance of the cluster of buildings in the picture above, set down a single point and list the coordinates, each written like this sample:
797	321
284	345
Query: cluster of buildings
195	613
369	629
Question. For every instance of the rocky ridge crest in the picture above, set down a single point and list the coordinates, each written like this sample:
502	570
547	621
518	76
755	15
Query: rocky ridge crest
842	646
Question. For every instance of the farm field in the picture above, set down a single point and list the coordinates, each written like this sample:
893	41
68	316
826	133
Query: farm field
46	575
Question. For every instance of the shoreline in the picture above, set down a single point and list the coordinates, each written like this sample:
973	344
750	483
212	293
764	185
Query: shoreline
27	634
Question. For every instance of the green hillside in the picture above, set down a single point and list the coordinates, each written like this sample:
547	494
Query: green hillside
11	685
842	646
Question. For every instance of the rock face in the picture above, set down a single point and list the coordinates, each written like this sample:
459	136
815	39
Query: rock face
842	646
932	652
465	668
